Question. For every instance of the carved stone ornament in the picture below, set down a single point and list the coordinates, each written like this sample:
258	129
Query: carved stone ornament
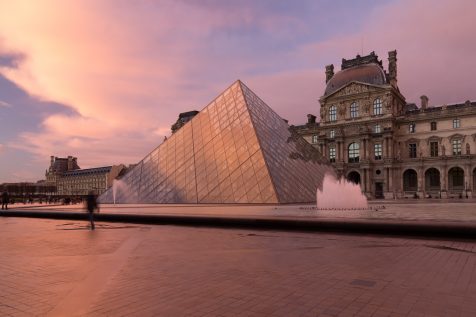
352	88
342	110
433	138
457	136
366	106
323	112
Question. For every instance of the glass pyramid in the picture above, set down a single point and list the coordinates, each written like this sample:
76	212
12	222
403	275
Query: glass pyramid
236	150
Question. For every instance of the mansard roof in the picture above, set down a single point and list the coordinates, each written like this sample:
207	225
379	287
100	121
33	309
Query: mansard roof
412	108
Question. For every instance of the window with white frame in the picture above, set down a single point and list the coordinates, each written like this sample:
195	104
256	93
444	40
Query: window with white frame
354	152
411	128
333	113
456	123
332	134
332	154
377	128
456	146
377	106
378	151
314	138
354	110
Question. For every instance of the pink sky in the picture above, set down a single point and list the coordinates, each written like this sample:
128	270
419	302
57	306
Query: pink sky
104	80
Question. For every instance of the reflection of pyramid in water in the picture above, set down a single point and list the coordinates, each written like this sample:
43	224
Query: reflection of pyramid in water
236	150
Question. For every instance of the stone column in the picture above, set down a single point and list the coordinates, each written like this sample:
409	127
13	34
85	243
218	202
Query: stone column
342	151
364	145
387	179
338	151
384	146
467	180
443	182
364	180
420	190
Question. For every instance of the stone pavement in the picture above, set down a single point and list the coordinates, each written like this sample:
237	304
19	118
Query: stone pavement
435	210
60	268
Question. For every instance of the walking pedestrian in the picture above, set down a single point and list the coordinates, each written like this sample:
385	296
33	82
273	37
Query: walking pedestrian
5	200
91	205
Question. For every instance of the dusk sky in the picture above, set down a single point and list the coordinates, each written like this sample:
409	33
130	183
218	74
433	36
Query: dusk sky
105	80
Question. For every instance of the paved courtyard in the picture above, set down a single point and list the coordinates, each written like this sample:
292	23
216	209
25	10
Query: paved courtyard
60	268
436	210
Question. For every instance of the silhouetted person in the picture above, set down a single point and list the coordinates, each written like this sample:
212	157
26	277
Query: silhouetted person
5	200
91	205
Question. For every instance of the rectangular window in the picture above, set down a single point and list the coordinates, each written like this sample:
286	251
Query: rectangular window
433	149
377	128
333	113
332	154
377	106
457	147
411	128
456	123
412	150
378	151
354	110
314	139
433	126
332	134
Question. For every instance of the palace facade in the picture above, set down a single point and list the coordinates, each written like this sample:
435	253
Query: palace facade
69	179
392	148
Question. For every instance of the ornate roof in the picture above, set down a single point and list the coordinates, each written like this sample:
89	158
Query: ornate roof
369	73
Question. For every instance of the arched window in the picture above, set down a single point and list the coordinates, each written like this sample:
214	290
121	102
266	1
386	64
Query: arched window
333	113
353	152
410	181
377	106
456	178
354	110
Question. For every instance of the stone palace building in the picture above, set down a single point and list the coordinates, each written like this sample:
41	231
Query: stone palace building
70	180
392	148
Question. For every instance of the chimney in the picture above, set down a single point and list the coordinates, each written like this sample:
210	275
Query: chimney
311	119
70	163
392	67
424	102
52	160
329	72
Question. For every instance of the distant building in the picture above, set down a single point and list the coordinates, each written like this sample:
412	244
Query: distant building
392	148
59	165
81	181
70	179
183	118
25	189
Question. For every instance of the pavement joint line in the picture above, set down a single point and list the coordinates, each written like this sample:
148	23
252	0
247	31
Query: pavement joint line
427	229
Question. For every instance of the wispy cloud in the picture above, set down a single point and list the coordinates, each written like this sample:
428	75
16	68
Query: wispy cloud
127	69
5	104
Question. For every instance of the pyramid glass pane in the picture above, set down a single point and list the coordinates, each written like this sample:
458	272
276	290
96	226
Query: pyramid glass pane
236	150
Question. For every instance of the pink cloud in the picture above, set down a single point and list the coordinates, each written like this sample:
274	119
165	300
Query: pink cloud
435	44
127	69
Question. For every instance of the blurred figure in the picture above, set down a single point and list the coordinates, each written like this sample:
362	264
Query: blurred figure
5	200
91	205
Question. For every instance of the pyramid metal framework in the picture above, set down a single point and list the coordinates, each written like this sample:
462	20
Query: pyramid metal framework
236	150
